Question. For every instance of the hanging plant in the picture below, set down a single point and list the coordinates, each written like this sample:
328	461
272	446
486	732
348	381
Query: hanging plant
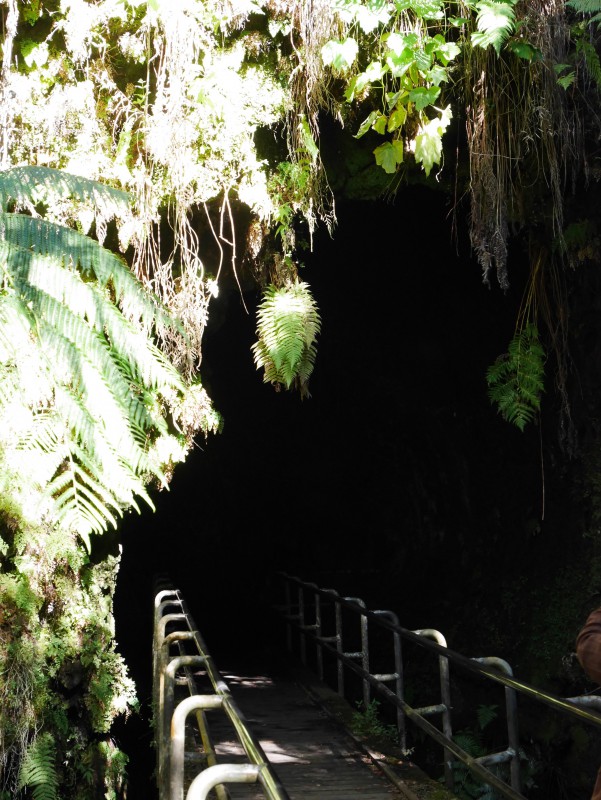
515	380
288	325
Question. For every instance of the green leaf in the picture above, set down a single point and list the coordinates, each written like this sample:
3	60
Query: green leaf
307	139
389	155
423	97
447	52
366	124
380	124
523	49
340	55
397	118
428	142
371	15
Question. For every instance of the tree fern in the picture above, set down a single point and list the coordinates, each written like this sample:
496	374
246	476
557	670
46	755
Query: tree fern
515	380
38	769
82	378
288	326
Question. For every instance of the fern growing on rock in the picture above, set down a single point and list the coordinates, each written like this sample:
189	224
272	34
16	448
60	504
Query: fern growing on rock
288	326
516	379
38	768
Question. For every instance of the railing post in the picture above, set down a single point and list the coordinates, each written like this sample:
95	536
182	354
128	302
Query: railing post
396	676
221	773
301	622
167	703
336	638
445	695
288	613
178	738
318	634
512	753
363	654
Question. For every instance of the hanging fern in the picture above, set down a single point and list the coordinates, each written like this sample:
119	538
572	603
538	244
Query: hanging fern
77	357
495	20
38	769
515	380
288	326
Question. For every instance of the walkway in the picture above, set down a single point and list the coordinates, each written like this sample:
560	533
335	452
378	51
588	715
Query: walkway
315	758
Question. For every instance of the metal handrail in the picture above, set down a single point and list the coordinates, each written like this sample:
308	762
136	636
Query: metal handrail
170	720
296	613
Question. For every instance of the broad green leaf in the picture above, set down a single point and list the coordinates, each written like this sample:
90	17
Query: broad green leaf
423	59
437	75
397	118
374	71
389	155
366	124
428	142
397	42
340	55
380	124
35	56
399	65
447	52
371	15
524	49
394	98
426	9
423	97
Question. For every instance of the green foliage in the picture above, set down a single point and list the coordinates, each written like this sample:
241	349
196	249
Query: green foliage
72	330
366	723
586	7
515	380
495	20
466	786
288	325
38	769
406	69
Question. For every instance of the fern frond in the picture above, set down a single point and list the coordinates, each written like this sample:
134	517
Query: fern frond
23	237
486	715
585	6
516	380
83	384
29	185
38	768
288	326
495	21
591	58
469	742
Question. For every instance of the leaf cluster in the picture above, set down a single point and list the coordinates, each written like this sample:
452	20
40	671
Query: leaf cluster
516	379
288	326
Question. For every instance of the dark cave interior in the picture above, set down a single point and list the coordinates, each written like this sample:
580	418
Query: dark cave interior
396	481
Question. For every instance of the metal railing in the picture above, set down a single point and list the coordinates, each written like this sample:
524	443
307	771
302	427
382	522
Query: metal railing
175	628
307	606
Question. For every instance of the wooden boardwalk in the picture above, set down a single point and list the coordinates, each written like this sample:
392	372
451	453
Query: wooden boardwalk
313	756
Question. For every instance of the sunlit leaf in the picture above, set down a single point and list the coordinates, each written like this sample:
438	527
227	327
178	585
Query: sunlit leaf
428	142
389	155
423	97
340	55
